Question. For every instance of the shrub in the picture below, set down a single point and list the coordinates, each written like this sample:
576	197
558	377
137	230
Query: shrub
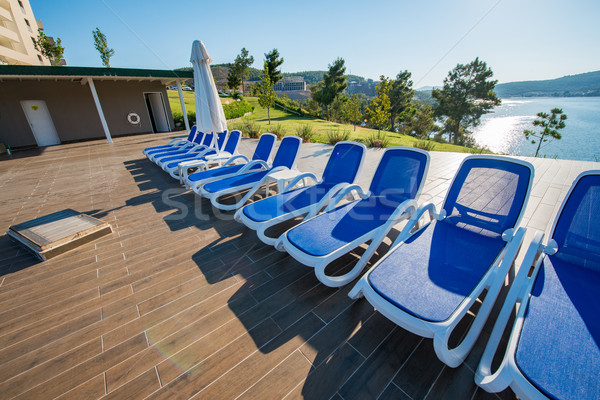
427	145
247	127
335	136
377	140
306	133
237	109
178	118
278	130
477	149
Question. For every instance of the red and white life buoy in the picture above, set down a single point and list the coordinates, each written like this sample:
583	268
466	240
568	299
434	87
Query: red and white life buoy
133	118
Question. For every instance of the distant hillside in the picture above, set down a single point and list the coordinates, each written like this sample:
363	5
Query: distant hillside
587	84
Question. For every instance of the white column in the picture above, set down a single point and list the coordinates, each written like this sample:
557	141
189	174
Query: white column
183	110
99	108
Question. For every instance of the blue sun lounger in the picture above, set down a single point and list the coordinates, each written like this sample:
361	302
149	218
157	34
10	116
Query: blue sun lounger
236	165
341	170
432	276
554	345
395	186
211	156
198	143
175	143
285	159
213	148
185	147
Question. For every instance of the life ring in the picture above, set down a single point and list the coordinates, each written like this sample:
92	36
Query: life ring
133	118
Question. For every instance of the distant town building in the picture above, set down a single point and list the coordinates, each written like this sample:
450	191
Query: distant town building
290	84
18	30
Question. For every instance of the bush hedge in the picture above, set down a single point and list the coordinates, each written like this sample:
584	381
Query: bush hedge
236	109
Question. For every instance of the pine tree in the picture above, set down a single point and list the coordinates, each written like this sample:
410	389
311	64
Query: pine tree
334	82
273	62
468	93
550	124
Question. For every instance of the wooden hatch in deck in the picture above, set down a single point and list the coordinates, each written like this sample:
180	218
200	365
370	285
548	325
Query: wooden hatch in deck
59	232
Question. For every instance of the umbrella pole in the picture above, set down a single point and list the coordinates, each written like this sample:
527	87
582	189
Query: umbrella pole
183	110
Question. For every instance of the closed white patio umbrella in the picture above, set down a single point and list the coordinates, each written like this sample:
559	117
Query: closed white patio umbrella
209	111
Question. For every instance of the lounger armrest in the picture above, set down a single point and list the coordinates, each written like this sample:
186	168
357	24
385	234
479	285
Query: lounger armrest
297	179
496	381
343	193
176	141
235	158
326	199
198	147
252	164
403	211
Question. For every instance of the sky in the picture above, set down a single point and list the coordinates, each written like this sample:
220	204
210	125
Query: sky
519	39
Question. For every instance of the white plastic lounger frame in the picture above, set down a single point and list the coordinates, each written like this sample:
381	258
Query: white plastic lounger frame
508	373
196	185
493	280
203	162
310	211
253	187
319	263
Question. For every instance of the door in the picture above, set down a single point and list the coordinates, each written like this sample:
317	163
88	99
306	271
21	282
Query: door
40	121
157	112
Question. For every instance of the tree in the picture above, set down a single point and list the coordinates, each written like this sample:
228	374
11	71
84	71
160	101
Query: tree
52	50
233	78
266	94
423	122
549	124
239	70
468	93
378	110
401	95
352	111
273	63
102	46
334	82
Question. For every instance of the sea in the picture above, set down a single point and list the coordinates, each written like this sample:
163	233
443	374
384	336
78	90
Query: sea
502	130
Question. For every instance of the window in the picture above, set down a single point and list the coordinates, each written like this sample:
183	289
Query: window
28	26
41	61
21	5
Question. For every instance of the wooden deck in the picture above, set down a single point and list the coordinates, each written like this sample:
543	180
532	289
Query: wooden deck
180	302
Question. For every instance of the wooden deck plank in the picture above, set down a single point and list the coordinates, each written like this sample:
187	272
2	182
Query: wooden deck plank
224	314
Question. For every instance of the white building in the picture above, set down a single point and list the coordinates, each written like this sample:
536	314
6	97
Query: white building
18	29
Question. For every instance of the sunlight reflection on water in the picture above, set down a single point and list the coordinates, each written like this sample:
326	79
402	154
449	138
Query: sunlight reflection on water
502	134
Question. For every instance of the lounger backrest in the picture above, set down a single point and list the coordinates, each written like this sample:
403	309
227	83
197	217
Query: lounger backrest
400	174
199	136
232	142
344	163
208	139
221	139
488	194
577	230
287	152
192	134
264	148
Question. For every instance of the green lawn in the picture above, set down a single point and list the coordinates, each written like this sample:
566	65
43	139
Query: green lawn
290	123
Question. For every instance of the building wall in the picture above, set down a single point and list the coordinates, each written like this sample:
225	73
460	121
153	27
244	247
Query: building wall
18	27
72	108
